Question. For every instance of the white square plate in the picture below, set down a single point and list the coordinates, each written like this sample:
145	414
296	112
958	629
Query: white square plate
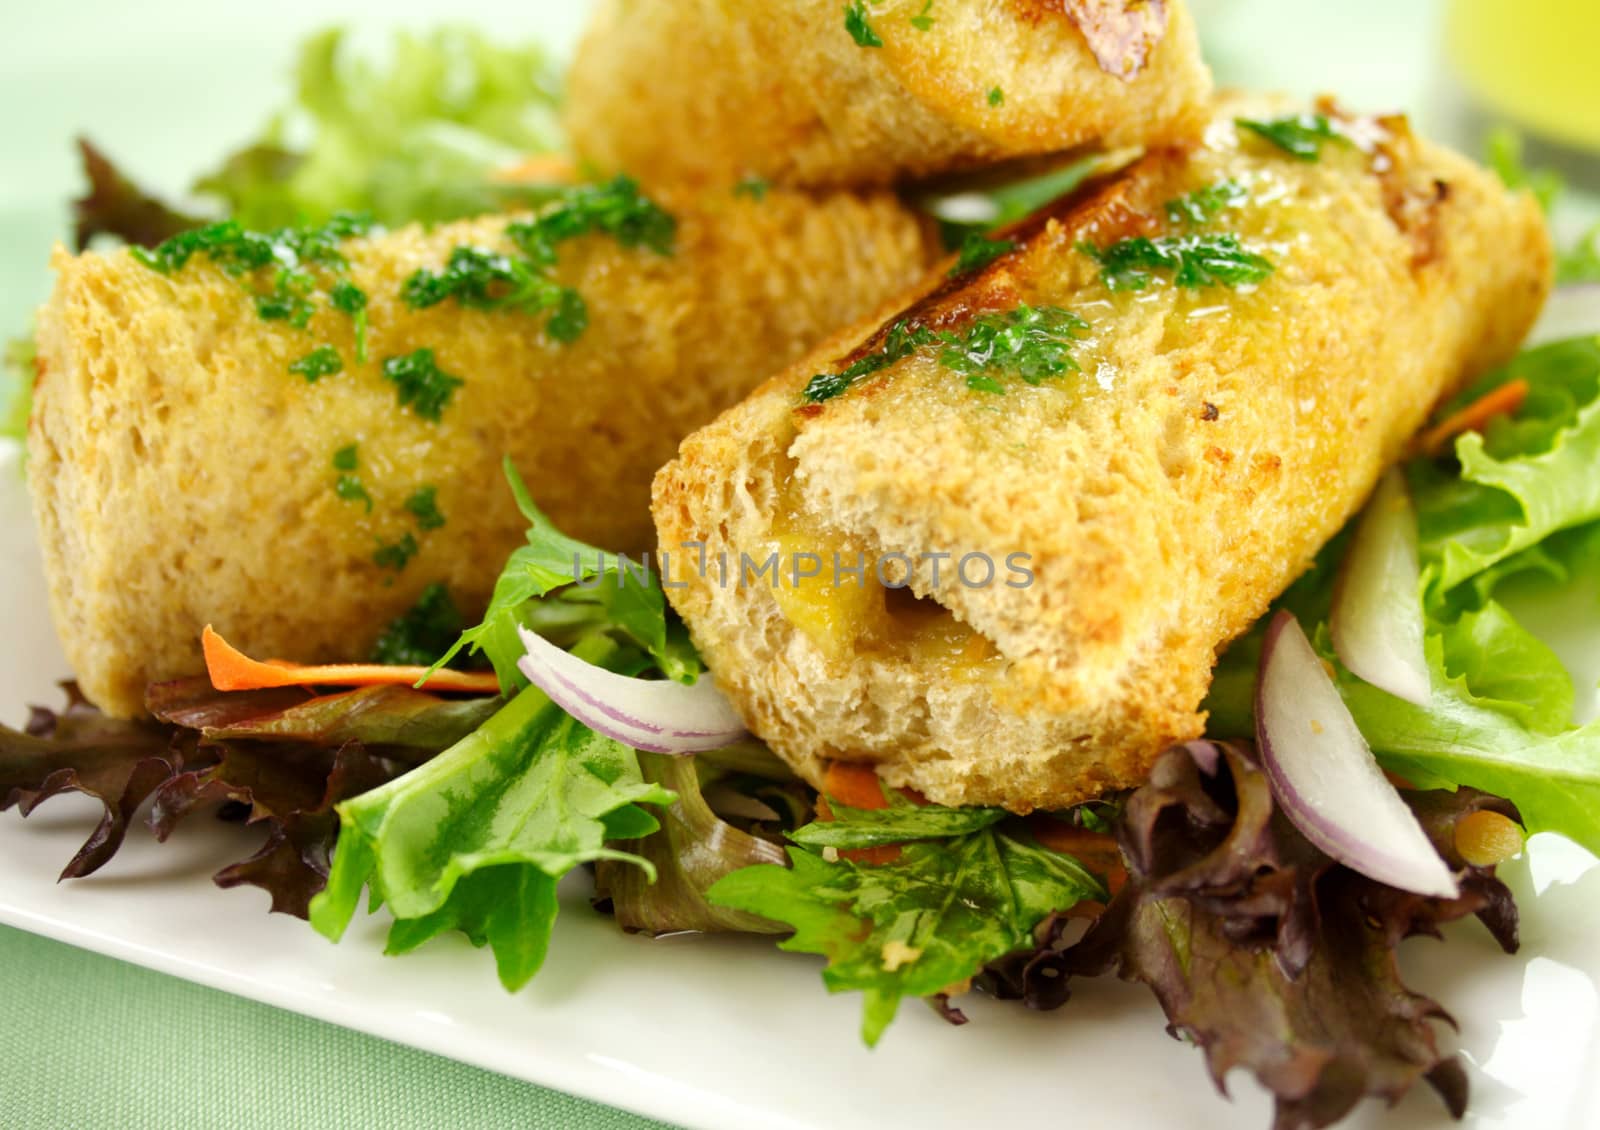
729	1033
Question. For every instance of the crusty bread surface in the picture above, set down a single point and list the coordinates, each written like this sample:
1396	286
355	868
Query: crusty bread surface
718	90
1210	442
182	475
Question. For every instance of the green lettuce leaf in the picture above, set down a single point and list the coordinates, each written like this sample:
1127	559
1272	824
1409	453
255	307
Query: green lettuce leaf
1465	738
693	849
415	139
16	387
476	839
626	598
1526	477
900	823
919	925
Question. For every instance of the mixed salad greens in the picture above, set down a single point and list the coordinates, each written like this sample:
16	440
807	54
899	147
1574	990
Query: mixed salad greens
463	813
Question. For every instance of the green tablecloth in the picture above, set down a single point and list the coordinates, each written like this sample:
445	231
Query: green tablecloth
91	1042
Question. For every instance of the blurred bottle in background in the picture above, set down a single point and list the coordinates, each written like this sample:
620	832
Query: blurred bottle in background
1533	66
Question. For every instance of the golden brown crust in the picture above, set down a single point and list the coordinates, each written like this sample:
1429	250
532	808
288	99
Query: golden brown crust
711	91
181	474
1211	444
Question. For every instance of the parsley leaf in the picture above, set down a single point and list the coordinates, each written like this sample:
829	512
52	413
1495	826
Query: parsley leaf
1196	261
978	250
424	632
1030	342
425	509
423	386
616	208
246	255
350	489
323	361
1204	204
756	188
348	298
396	555
903	339
855	22
348	485
476	839
918	925
922	21
489	280
1299	135
997	97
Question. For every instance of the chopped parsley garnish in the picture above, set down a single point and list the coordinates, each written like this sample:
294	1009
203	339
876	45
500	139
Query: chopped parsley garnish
1299	135
978	250
1030	342
396	555
922	21
480	280
291	253
424	387
351	489
348	298
1205	204
1195	261
424	508
323	361
901	340
616	208
570	317
855	22
490	280
997	97
423	634
348	485
755	188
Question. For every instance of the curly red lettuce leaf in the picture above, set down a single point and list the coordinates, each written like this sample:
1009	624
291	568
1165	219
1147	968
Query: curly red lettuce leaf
1261	949
114	205
285	755
78	749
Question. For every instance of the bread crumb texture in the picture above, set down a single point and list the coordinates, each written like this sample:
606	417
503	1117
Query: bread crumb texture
182	475
1211	442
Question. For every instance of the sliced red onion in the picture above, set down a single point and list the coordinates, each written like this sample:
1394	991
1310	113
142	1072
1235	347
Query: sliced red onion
1376	622
1572	311
1324	775
660	716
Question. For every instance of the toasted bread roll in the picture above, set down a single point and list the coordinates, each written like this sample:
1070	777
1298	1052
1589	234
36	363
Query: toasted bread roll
711	90
183	475
1209	441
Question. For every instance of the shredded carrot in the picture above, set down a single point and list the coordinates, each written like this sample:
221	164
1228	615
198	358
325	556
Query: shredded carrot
1501	401
539	168
1095	850
856	786
232	670
853	785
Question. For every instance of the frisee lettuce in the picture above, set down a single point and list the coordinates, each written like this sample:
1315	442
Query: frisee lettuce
1524	478
476	839
416	139
1519	500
